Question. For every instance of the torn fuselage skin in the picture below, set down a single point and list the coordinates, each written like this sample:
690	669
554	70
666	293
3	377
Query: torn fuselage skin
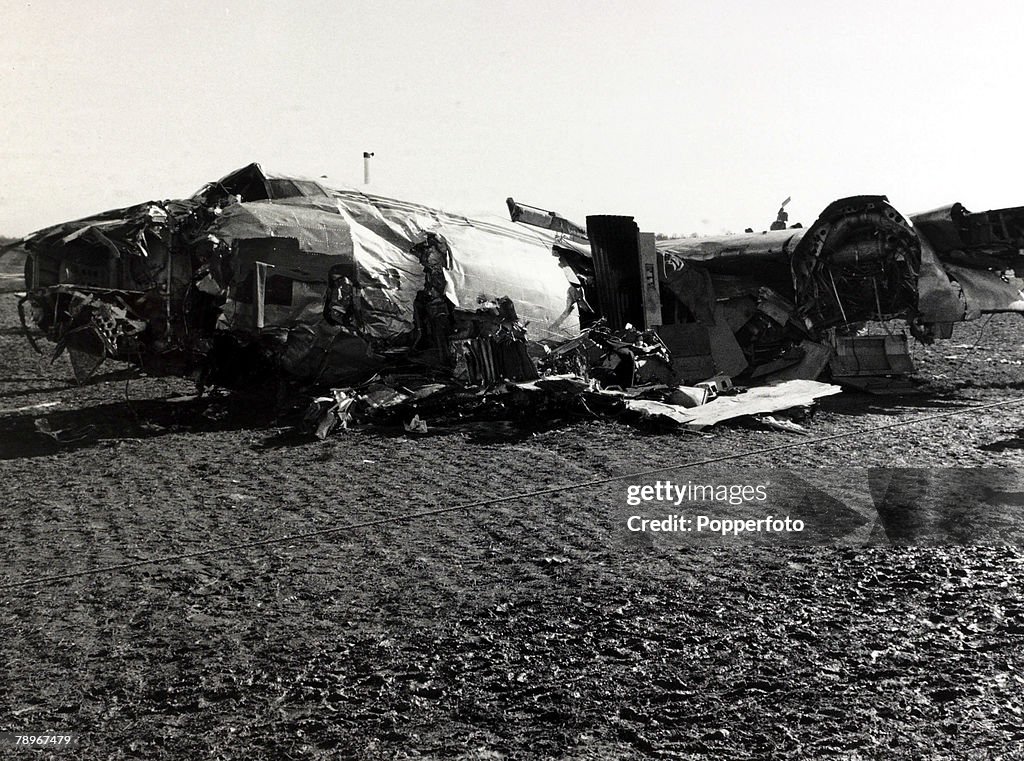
258	273
434	311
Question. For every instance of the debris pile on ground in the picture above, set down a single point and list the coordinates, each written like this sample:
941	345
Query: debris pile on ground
262	280
625	375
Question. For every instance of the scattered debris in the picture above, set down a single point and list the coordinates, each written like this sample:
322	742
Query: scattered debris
781	424
408	313
66	435
621	396
416	425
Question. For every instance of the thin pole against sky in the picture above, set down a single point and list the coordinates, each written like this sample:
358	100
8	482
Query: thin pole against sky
366	167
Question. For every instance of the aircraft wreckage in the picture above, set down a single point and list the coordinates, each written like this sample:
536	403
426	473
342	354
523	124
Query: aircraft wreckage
406	311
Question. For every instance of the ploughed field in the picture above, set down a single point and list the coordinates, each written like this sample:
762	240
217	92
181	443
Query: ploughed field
534	627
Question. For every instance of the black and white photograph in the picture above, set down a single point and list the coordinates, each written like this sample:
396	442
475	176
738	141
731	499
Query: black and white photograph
486	380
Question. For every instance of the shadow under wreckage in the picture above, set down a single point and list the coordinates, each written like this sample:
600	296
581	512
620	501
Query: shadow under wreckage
406	313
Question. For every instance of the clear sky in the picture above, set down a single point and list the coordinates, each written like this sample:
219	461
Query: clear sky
692	116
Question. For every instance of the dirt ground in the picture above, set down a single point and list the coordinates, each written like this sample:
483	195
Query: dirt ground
531	628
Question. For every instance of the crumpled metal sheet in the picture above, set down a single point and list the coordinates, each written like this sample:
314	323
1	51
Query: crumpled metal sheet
489	259
389	276
938	299
986	291
974	249
317	232
486	267
272	254
772	247
941	226
568	244
650	408
122	231
758	400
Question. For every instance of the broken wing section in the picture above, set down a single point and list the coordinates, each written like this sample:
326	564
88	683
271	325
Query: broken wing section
973	263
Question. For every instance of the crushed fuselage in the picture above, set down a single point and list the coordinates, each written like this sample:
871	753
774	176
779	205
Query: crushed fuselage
258	271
